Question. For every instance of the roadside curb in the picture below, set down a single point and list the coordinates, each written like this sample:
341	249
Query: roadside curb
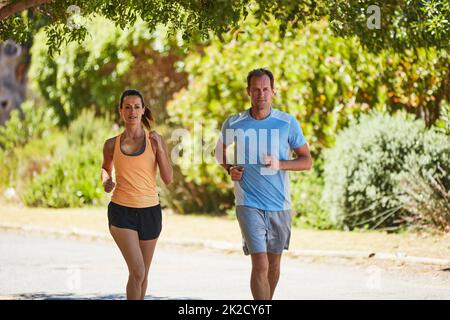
233	247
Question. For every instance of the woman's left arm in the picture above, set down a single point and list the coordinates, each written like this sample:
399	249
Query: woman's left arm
162	157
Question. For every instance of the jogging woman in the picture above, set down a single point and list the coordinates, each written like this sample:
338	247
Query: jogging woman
134	213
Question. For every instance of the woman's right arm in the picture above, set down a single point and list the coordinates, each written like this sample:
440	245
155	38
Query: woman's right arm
108	152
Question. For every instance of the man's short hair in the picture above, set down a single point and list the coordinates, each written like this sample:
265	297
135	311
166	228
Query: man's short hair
258	73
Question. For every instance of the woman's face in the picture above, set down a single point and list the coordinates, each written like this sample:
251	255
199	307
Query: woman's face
132	110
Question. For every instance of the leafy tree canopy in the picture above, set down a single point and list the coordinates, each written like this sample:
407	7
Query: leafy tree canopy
397	24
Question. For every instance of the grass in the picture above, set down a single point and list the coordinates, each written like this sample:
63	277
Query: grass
199	227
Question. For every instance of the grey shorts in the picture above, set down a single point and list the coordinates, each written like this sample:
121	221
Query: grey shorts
264	231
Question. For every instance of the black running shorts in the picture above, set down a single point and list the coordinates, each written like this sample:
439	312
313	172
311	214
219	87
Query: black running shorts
146	221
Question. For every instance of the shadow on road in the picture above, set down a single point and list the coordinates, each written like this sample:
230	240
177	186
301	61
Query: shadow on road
72	296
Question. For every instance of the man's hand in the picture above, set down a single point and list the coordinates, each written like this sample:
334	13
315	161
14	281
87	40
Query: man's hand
108	185
272	162
236	173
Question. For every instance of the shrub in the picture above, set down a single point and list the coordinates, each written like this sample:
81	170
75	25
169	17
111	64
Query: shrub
38	121
72	181
427	200
306	202
364	169
88	128
72	177
306	192
19	143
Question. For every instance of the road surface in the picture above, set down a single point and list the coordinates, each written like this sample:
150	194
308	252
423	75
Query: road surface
37	267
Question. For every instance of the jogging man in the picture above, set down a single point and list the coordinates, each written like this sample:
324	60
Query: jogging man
264	139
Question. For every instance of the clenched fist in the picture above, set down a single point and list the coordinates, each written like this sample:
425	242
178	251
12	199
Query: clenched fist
156	139
272	162
236	173
108	185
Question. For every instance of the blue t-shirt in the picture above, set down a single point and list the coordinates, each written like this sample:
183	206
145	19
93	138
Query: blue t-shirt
276	135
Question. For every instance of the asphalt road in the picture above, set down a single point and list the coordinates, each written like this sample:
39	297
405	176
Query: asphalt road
37	267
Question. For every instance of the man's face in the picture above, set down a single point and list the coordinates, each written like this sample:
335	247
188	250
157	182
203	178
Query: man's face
260	92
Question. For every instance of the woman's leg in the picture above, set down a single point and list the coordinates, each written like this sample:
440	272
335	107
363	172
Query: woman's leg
128	242
147	250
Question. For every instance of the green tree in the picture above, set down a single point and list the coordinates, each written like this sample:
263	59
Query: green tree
403	24
65	19
94	74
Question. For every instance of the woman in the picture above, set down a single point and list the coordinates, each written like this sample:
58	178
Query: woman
134	213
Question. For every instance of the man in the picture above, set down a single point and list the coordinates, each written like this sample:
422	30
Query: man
264	139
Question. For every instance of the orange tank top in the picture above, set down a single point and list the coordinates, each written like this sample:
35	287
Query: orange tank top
135	177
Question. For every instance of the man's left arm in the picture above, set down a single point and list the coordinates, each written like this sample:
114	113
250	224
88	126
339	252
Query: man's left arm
301	163
296	142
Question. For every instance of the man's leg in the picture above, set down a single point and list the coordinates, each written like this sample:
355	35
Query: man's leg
259	281
253	228
279	236
274	271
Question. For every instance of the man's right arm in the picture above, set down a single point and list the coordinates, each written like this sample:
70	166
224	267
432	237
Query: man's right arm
221	156
235	172
221	147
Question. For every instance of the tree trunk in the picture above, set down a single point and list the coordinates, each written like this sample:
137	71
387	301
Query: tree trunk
7	10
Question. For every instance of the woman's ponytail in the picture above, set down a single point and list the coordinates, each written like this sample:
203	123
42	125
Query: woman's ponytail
147	119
